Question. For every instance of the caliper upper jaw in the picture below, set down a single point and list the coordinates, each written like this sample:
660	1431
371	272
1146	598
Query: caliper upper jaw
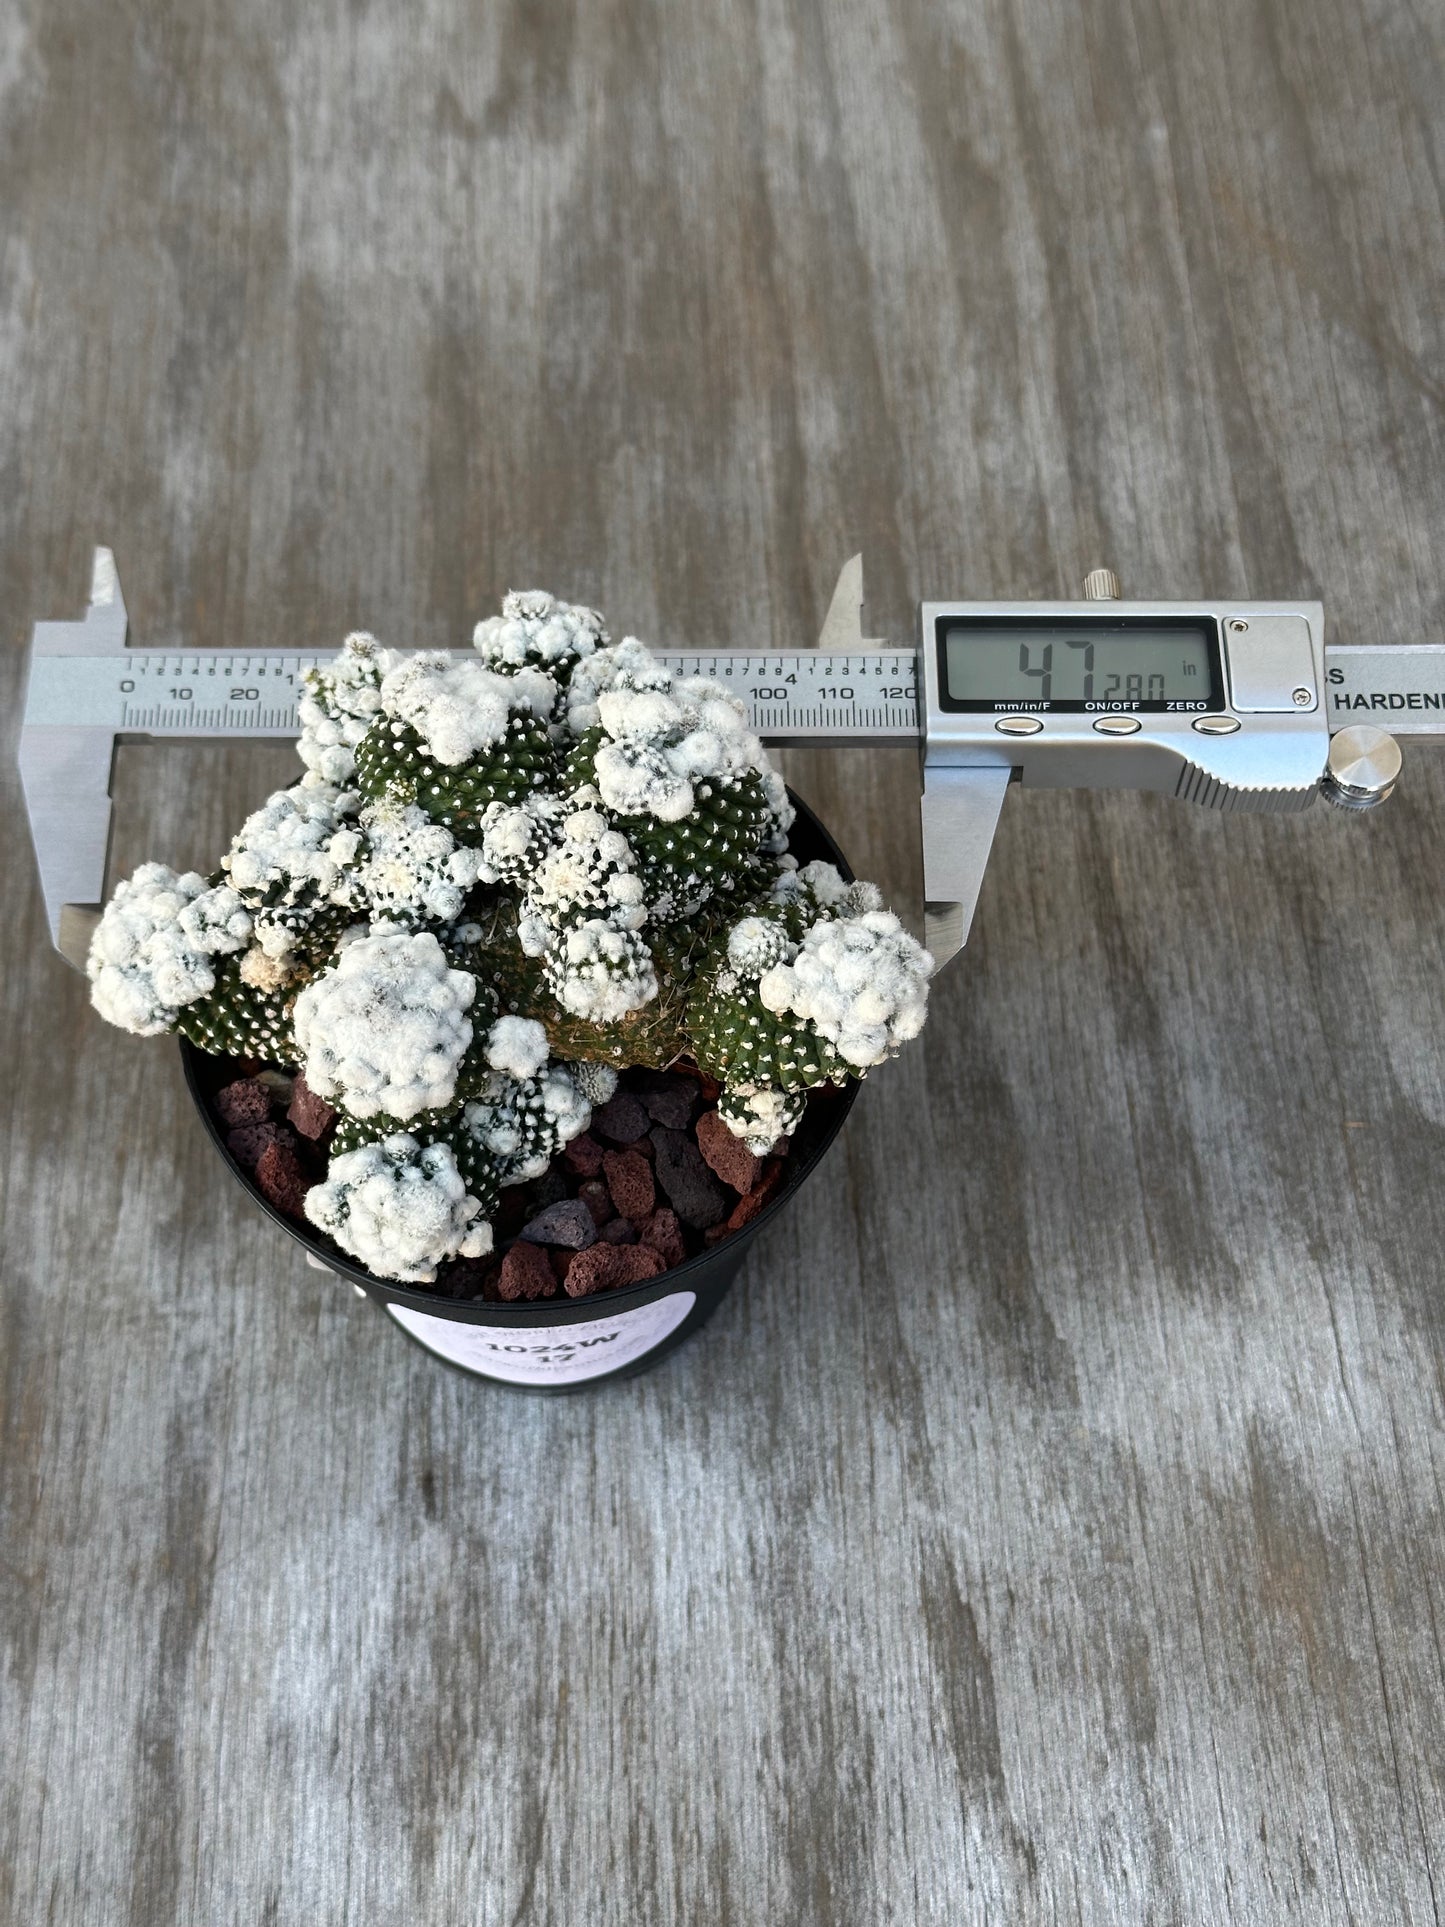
959	811
66	771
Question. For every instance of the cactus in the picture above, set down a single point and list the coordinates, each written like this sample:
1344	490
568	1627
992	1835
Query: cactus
536	630
339	702
453	737
501	879
244	1017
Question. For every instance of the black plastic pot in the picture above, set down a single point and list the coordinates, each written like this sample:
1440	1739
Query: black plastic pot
562	1344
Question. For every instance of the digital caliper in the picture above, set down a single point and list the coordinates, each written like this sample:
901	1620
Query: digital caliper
1233	705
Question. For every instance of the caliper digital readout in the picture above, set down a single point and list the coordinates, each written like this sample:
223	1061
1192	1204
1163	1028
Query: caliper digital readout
1082	665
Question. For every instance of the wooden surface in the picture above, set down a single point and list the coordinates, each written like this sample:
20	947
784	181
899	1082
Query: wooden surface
1049	1527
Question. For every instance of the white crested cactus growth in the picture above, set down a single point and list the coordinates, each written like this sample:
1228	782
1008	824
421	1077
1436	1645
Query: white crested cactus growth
504	877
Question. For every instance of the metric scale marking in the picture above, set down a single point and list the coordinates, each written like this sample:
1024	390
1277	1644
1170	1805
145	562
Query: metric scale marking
253	695
1232	705
867	698
147	693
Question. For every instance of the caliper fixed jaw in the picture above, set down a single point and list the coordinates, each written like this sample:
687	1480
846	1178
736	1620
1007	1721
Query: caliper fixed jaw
66	772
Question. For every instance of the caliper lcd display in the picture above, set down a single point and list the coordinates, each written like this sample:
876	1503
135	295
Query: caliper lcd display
1095	664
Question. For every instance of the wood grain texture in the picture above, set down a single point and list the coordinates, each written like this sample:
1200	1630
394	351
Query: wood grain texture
1049	1528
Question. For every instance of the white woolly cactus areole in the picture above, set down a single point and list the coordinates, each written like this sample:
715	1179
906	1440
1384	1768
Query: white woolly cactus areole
153	948
399	1207
861	982
408	869
461	708
528	1109
535	627
503	874
521	1123
582	913
760	1118
664	735
385	1028
285	865
339	702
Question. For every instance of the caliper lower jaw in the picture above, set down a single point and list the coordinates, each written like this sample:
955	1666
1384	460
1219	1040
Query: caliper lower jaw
66	772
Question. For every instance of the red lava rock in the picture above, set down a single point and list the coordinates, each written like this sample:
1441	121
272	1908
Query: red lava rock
606	1267
621	1118
526	1273
247	1101
248	1141
692	1190
568	1222
597	1268
308	1112
747	1208
594	1195
664	1234
638	1263
583	1155
715	1234
629	1179
670	1098
619	1231
559	1261
491	1282
734	1163
281	1178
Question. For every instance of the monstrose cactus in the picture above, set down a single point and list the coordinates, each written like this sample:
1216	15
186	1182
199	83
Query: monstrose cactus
503	877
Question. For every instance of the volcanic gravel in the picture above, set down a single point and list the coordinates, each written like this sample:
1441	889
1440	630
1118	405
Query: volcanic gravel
656	1179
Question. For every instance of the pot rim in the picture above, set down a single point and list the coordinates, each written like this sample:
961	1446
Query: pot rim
541	1311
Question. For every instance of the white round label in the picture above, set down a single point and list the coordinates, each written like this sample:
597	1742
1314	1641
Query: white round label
552	1354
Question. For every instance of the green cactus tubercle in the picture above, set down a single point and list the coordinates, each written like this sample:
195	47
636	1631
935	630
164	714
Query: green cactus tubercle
394	765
